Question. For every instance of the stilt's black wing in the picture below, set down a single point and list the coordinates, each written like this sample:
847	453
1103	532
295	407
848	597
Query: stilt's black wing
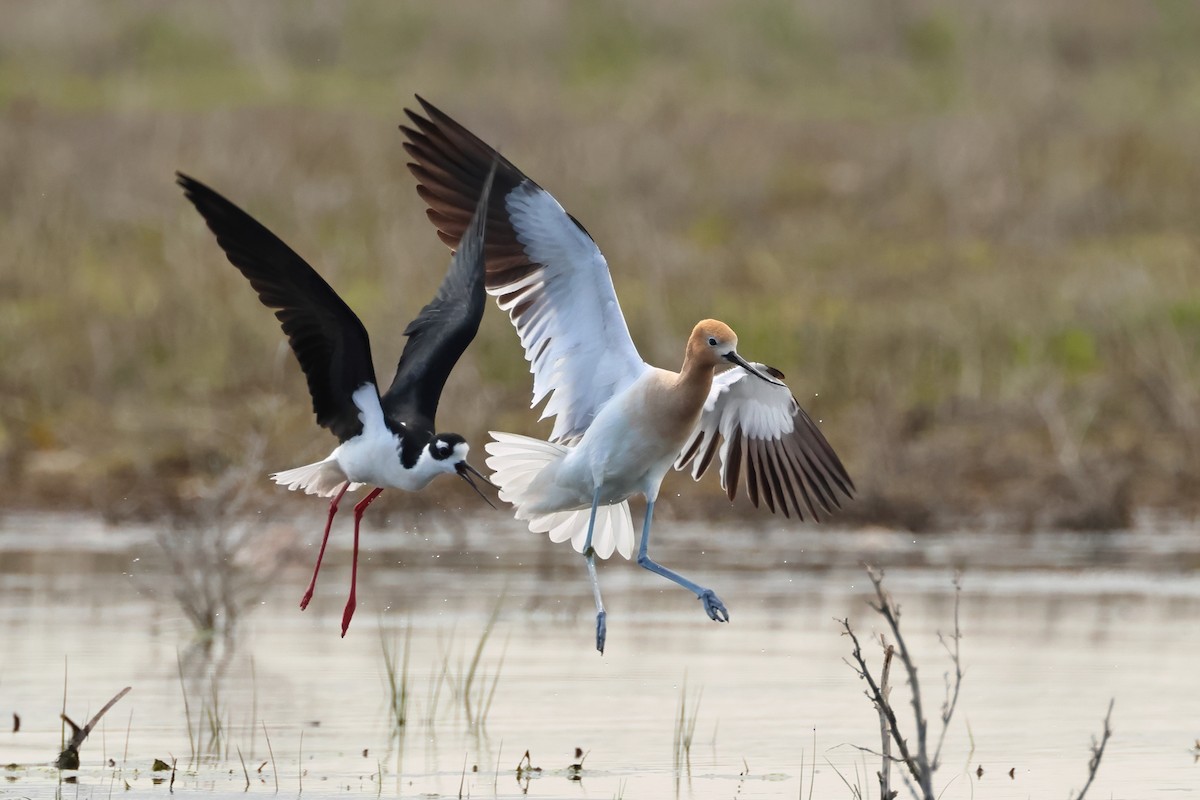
329	341
440	334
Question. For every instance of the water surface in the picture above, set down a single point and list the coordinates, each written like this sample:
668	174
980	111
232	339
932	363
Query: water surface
1054	625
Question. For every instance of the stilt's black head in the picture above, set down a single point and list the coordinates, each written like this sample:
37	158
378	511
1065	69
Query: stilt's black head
450	450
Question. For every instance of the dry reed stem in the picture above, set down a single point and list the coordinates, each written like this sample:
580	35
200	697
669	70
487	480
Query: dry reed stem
1097	751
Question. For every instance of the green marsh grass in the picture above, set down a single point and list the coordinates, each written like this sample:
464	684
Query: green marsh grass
217	726
467	682
466	685
271	753
187	708
245	771
685	729
397	680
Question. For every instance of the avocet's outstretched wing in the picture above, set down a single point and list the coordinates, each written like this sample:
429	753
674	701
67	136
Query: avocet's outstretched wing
542	267
770	440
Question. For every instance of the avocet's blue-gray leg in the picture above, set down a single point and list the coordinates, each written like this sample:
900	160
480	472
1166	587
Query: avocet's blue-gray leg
590	554
712	604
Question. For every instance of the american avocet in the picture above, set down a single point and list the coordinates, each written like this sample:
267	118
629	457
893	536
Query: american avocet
620	423
385	441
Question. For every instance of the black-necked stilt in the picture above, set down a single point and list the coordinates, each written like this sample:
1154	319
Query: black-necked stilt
388	440
620	423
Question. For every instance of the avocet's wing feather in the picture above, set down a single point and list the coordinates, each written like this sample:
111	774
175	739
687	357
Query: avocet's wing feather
542	267
768	440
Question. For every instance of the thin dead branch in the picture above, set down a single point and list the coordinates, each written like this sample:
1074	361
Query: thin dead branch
921	769
885	769
952	688
876	696
918	776
1097	751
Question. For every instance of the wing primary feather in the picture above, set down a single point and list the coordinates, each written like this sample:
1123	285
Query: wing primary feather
821	474
690	448
813	487
733	464
751	470
782	486
798	470
778	475
706	458
824	451
791	478
769	480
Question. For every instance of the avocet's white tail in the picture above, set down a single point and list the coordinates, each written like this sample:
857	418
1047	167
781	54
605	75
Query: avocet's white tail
323	478
516	461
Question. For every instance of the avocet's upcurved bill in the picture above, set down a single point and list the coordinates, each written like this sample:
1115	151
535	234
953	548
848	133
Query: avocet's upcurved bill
388	440
620	423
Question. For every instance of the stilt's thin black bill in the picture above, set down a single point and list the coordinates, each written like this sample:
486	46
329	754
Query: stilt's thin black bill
465	471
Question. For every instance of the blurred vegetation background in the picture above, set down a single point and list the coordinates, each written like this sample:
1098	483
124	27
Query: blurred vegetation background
966	231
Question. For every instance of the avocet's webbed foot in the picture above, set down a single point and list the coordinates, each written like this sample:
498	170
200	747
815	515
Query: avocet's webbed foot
601	630
713	606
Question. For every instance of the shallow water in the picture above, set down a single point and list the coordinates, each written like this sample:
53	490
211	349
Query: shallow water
1054	625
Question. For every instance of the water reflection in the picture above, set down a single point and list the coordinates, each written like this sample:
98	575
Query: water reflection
1053	627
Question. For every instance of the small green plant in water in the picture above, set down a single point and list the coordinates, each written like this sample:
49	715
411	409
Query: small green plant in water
685	728
397	679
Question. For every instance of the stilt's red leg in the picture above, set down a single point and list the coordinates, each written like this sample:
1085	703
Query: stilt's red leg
333	506
358	512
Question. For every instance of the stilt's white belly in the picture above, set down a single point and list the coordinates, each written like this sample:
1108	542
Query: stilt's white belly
373	457
375	460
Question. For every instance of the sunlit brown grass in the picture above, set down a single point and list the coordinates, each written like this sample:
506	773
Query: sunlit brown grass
966	232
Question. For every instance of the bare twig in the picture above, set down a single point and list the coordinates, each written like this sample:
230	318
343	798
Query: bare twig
1097	751
918	777
952	690
873	752
888	609
876	697
885	770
